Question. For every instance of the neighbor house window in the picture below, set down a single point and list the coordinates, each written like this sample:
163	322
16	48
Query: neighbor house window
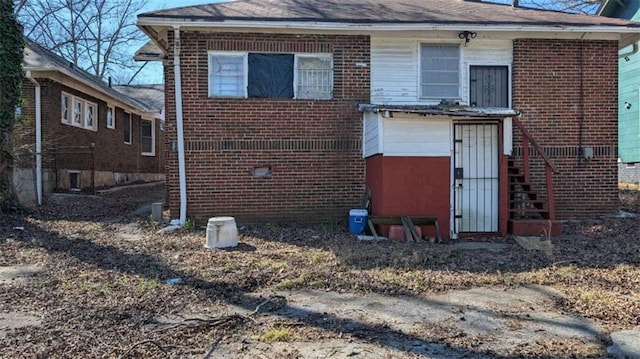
440	71
127	128
261	75
147	137
111	123
76	117
89	115
78	112
65	114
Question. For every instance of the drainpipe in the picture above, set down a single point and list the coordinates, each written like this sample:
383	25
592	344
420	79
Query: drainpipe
180	125
38	137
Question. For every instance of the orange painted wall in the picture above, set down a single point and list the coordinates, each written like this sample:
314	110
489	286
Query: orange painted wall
411	186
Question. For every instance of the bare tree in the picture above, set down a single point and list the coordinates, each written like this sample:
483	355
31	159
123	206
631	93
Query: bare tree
573	6
92	34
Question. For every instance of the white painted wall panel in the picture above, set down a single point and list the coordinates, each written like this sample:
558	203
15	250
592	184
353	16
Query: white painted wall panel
395	68
418	136
371	128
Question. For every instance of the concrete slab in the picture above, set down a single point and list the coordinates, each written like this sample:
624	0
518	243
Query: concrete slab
14	320
487	246
626	344
16	274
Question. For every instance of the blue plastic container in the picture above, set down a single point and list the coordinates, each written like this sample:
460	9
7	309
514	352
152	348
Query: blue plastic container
357	220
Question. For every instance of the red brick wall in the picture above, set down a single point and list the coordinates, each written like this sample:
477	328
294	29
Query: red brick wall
312	146
549	79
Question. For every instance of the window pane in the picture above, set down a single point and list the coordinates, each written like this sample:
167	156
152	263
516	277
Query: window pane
77	112
270	76
146	136
226	75
89	115
440	70
314	77
65	108
127	128
110	117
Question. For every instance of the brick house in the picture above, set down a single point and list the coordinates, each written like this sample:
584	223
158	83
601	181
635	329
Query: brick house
492	118
77	133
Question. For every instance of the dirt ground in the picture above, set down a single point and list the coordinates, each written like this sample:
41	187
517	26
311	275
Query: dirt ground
88	276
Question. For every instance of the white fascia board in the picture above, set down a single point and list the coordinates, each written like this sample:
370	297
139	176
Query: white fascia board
371	27
107	97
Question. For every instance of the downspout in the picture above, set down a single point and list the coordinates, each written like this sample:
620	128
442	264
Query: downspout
179	125
632	52
38	137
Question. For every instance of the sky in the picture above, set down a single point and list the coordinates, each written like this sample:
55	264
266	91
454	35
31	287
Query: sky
152	72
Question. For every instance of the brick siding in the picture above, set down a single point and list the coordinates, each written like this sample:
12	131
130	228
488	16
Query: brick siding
312	146
82	149
549	78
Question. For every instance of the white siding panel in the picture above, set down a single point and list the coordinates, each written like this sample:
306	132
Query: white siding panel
371	145
484	52
395	66
417	137
394	69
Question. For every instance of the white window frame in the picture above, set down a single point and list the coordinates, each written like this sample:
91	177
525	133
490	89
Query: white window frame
127	118
84	105
245	56
296	79
94	120
460	70
153	136
65	113
245	70
111	111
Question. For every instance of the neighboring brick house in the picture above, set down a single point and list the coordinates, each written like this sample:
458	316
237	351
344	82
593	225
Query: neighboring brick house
77	133
289	109
628	94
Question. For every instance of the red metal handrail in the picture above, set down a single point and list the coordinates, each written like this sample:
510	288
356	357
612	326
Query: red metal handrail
548	165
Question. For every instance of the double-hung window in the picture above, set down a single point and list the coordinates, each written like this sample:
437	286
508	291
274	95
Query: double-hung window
269	75
111	120
147	137
440	71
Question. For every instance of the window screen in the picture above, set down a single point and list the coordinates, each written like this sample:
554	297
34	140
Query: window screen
226	75
314	77
440	71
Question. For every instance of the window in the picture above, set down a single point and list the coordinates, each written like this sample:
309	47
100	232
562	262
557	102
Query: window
78	112
127	128
89	115
314	77
259	75
111	123
226	75
64	108
440	71
147	140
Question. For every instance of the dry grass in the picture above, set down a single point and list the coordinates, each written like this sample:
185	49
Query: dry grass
105	277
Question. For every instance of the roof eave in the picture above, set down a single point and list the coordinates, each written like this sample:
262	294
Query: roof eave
149	22
133	106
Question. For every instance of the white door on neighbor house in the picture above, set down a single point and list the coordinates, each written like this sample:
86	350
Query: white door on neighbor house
476	183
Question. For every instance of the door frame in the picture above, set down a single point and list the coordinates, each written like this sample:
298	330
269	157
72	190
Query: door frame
499	133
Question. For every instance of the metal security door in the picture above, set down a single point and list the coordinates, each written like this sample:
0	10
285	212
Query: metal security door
476	177
489	86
